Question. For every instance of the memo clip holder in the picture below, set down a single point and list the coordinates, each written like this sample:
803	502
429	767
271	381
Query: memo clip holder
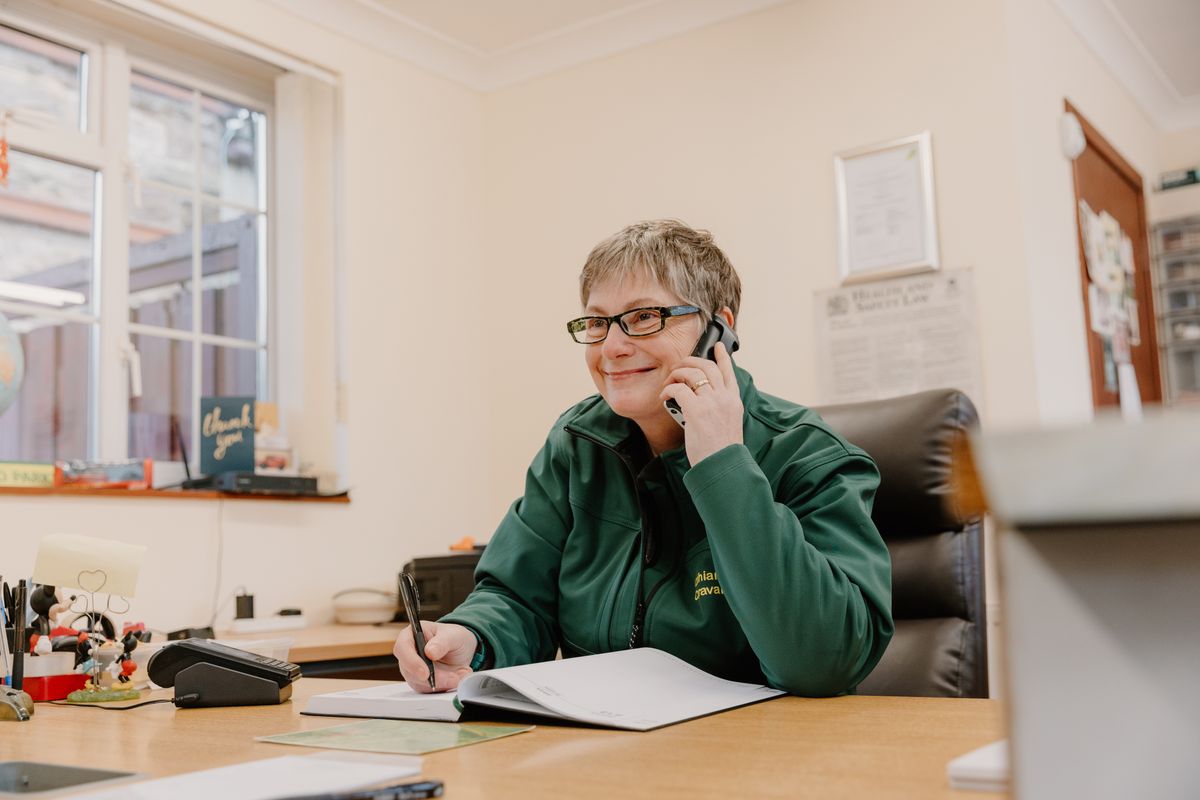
94	566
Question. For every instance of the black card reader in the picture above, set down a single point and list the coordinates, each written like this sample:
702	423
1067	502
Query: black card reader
207	674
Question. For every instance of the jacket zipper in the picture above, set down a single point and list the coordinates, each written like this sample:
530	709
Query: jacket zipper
636	633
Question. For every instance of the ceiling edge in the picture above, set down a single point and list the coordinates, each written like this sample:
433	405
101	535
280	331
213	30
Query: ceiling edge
369	23
1105	32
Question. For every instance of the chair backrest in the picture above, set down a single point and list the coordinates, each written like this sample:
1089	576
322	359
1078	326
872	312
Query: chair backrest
940	645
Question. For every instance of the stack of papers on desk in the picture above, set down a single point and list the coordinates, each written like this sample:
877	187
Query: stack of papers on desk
391	701
983	769
638	690
270	778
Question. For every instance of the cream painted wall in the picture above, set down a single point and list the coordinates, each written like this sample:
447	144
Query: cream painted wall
734	128
412	163
1048	63
1180	150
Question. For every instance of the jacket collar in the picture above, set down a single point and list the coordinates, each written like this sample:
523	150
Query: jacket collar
597	421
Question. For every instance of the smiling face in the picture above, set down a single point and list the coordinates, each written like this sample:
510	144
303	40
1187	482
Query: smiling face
629	372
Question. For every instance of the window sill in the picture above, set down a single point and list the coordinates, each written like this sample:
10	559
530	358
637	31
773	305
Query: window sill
169	494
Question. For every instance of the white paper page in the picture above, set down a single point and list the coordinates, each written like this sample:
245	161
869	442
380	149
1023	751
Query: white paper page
394	701
500	696
637	689
270	778
983	769
88	563
899	336
884	208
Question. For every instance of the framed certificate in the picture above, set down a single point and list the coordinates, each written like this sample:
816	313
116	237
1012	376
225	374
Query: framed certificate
887	222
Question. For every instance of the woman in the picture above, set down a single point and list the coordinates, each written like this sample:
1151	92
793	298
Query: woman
741	542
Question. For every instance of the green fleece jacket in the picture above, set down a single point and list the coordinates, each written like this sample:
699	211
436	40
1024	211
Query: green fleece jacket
758	564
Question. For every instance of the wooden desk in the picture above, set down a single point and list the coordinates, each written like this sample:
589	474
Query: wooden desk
847	747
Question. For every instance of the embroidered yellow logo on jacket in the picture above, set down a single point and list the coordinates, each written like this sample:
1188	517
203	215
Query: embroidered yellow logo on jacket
706	584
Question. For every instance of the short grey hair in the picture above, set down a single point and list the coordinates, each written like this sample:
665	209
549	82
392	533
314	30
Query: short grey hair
684	260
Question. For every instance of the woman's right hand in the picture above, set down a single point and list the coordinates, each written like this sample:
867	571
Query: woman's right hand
451	648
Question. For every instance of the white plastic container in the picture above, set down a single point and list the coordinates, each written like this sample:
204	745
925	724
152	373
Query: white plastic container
364	606
45	665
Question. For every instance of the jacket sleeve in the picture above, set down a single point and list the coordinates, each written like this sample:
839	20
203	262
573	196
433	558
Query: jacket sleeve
525	552
801	564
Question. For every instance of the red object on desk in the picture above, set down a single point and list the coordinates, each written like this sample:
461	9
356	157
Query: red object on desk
54	687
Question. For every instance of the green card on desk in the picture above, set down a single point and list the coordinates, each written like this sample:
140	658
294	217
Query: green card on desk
394	736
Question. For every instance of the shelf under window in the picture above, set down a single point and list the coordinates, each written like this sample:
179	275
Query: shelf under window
170	494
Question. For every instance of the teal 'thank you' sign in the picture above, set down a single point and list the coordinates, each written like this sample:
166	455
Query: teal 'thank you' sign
226	434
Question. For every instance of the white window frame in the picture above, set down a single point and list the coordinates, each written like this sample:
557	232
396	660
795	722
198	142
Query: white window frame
103	148
83	145
263	341
82	149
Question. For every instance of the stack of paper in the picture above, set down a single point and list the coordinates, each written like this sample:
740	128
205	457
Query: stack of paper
271	778
983	769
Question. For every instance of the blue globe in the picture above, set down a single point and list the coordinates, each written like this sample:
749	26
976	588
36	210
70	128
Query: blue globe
12	365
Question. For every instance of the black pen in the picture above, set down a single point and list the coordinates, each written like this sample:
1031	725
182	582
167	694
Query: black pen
19	599
412	608
401	791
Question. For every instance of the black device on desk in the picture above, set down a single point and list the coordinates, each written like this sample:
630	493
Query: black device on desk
207	674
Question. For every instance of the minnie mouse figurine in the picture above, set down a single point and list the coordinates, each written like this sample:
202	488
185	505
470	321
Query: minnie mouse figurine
127	665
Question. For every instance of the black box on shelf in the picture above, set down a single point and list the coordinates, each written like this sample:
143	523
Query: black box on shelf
254	483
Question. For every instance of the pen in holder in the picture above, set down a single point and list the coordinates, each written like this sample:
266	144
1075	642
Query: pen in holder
19	599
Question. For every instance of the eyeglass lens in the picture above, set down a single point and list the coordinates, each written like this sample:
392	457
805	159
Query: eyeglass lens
638	322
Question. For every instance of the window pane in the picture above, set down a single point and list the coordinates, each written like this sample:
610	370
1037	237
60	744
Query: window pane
231	241
166	400
46	224
49	419
160	260
1184	367
41	77
227	371
230	161
162	131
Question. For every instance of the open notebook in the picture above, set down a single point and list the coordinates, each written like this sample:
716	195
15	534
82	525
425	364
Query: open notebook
638	690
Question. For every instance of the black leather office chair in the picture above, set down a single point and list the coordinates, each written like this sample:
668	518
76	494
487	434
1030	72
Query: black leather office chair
940	645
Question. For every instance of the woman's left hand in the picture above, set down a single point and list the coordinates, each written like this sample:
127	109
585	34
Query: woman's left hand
707	393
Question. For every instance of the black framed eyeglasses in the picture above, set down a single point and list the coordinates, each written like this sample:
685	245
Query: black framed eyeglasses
634	322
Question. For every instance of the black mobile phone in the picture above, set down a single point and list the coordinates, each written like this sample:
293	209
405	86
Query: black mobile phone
715	331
